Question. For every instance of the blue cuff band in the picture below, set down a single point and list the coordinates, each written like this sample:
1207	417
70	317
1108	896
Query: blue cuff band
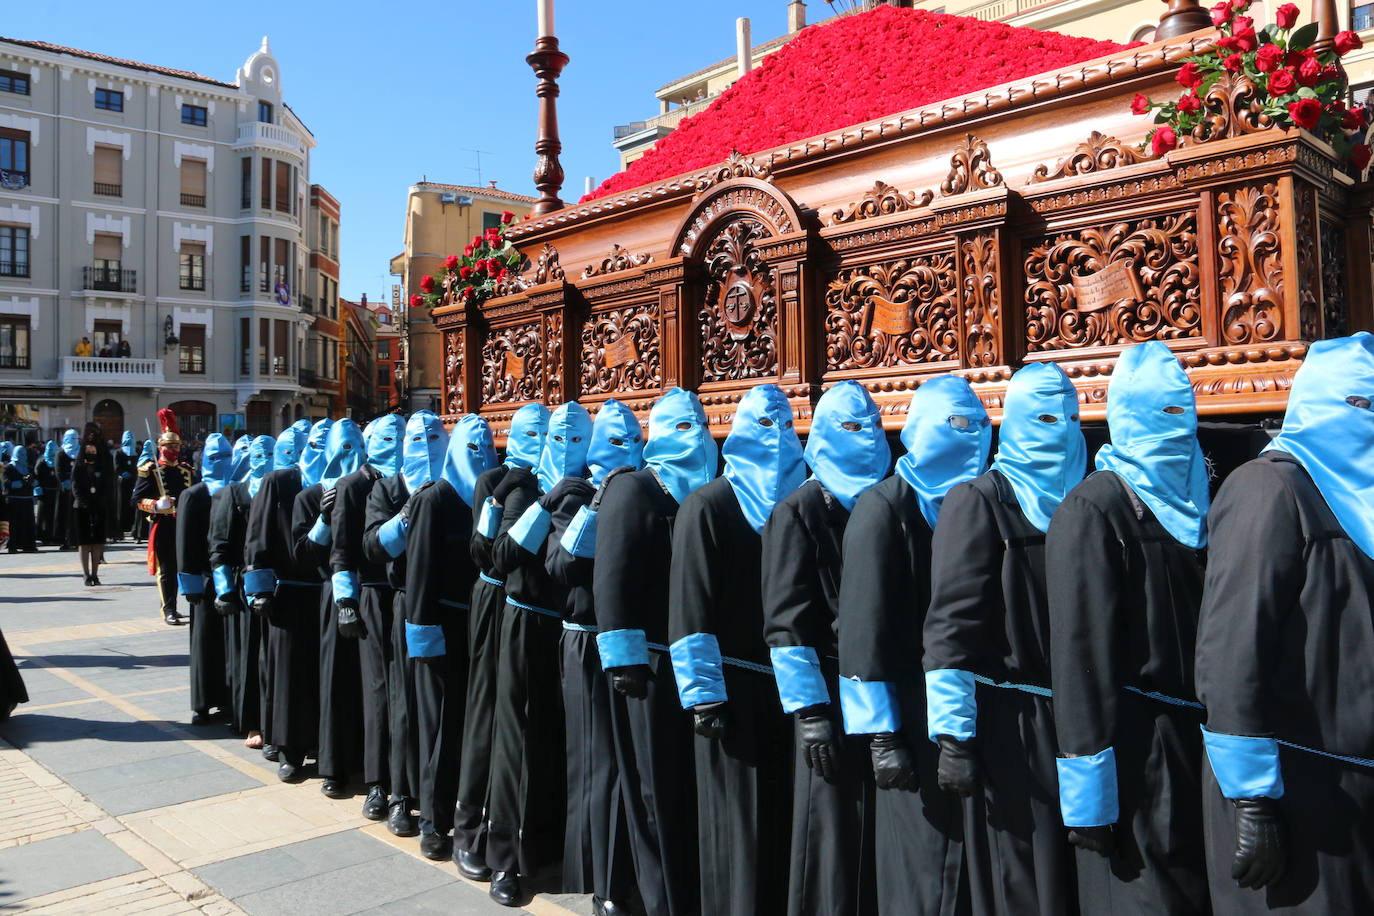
345	584
697	668
319	533
224	580
424	641
1087	790
580	538
869	707
800	682
620	648
393	535
1245	767
259	582
190	584
489	522
530	530
951	704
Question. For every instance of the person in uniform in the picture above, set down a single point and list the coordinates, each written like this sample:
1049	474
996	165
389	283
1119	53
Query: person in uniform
159	486
18	490
209	672
1284	642
743	745
68	454
126	469
47	493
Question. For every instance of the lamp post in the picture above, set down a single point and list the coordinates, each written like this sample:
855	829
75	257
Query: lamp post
548	62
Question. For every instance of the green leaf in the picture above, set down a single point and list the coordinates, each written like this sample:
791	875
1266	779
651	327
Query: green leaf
1303	37
1307	93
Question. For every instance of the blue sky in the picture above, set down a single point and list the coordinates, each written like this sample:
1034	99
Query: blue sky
400	90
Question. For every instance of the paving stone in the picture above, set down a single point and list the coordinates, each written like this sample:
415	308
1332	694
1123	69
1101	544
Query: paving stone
350	889
208	778
73	860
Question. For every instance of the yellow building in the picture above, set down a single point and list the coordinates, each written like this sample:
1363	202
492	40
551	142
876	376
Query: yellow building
440	220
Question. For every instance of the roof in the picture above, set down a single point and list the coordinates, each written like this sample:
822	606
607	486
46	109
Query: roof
755	51
118	61
468	189
852	69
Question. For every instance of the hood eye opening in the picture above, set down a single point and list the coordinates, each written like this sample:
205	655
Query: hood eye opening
1047	418
557	438
1174	410
433	437
1073	418
852	426
684	426
765	421
577	438
617	441
958	421
472	446
1359	401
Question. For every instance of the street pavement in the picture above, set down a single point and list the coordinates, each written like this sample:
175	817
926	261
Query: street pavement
110	802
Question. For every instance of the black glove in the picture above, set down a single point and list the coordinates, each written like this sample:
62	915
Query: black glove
1261	847
631	681
193	603
409	506
959	771
568	486
817	735
893	765
371	473
327	503
351	626
514	479
1100	840
261	605
227	605
709	720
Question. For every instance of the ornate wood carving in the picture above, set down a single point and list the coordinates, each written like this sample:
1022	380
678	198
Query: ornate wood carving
970	169
455	401
513	364
620	350
899	313
1159	252
1335	293
1097	154
546	268
883	199
736	166
1251	264
1309	272
619	259
737	318
980	299
517	281
554	388
752	199
1232	109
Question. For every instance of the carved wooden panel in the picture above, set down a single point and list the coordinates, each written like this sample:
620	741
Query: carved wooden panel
737	317
881	200
1335	292
553	358
970	169
512	364
898	313
620	350
1251	264
1309	271
454	398
980	299
1158	254
1098	153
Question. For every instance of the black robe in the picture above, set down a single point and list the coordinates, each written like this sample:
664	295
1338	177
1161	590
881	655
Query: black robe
1284	647
64	532
12	691
743	780
1124	598
919	832
126	466
209	682
46	477
92	491
244	633
18	509
653	736
989	615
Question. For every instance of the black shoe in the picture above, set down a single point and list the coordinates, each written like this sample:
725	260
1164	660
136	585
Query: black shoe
291	772
436	846
173	619
400	821
270	752
505	888
374	806
95	580
200	719
608	908
335	788
471	865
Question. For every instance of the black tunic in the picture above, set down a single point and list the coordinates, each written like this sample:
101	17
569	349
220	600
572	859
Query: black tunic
126	466
743	780
1124	598
64	531
48	502
1284	643
12	691
92	499
209	682
18	509
244	633
919	849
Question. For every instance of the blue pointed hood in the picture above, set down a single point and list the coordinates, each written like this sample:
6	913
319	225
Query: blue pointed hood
261	456
20	457
847	449
313	457
384	437
71	444
947	437
680	449
617	441
50	453
763	456
525	442
1329	430
127	445
343	452
241	446
423	451
565	446
1152	417
471	453
1040	449
286	451
147	454
6	449
216	462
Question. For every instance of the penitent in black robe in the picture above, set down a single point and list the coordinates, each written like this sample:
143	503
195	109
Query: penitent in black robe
989	615
832	872
244	633
1284	643
126	467
919	848
12	691
209	684
743	780
64	530
1124	598
18	509
46	477
653	736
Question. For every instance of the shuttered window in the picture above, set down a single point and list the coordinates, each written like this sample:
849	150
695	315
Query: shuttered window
193	182
283	187
265	185
108	250
109	171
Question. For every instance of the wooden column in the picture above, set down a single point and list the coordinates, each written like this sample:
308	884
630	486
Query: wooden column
548	63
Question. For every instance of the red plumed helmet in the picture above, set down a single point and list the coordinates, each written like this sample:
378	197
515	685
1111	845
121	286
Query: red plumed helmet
171	432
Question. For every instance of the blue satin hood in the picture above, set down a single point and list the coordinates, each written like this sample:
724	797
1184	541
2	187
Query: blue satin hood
241	446
71	444
261	454
1152	417
1040	449
525	442
617	441
343	452
947	437
50	453
680	449
286	451
20	457
313	456
846	448
216	462
127	445
423	452
384	436
763	456
147	454
1332	438
471	452
565	446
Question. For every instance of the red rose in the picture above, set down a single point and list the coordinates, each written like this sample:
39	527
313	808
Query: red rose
1246	41
1353	119
1221	13
427	283
417	301
465	273
507	217
1234	62
1359	157
1309	71
1269	58
1140	105
502	275
478	241
1163	140
451	262
1188	76
467	251
1305	112
468	292
1282	82
1226	43
1347	42
1242	24
1189	103
1285	16
1328	73
1240	6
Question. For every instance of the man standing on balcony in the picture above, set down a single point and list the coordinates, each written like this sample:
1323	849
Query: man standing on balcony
83	348
155	495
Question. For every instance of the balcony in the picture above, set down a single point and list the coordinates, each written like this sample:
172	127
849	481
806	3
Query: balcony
14	268
255	133
109	279
192	200
110	372
106	189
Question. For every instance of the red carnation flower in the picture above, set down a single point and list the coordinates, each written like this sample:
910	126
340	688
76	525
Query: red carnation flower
451	262
1189	76
416	301
1305	112
507	217
1285	16
1140	105
1234	62
1269	58
1282	82
1359	157
465	273
1221	13
1164	139
427	283
1346	42
1189	103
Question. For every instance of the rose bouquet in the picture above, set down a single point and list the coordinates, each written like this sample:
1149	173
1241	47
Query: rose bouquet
472	277
1289	82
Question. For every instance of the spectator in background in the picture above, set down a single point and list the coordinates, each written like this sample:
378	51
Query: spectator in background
105	352
84	348
124	351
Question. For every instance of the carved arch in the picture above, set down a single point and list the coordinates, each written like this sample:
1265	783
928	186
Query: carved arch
741	198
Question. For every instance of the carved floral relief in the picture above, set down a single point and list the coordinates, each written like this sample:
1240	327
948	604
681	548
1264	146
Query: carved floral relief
1251	264
512	364
620	350
738	315
980	299
899	313
453	371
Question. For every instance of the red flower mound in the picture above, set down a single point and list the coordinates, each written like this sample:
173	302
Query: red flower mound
850	70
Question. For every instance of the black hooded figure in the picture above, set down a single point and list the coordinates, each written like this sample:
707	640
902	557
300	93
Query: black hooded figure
209	672
45	475
17	484
1284	643
69	451
126	467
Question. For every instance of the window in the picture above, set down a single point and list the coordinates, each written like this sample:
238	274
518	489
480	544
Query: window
245	346
14	342
283	187
109	171
490	221
1361	18
192	358
193	265
17	83
265	185
14	251
265	112
383	377
245	263
195	115
264	264
193	182
323	242
281	348
108	251
384	349
246	182
14	159
109	99
280	266
333	240
106	334
264	334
